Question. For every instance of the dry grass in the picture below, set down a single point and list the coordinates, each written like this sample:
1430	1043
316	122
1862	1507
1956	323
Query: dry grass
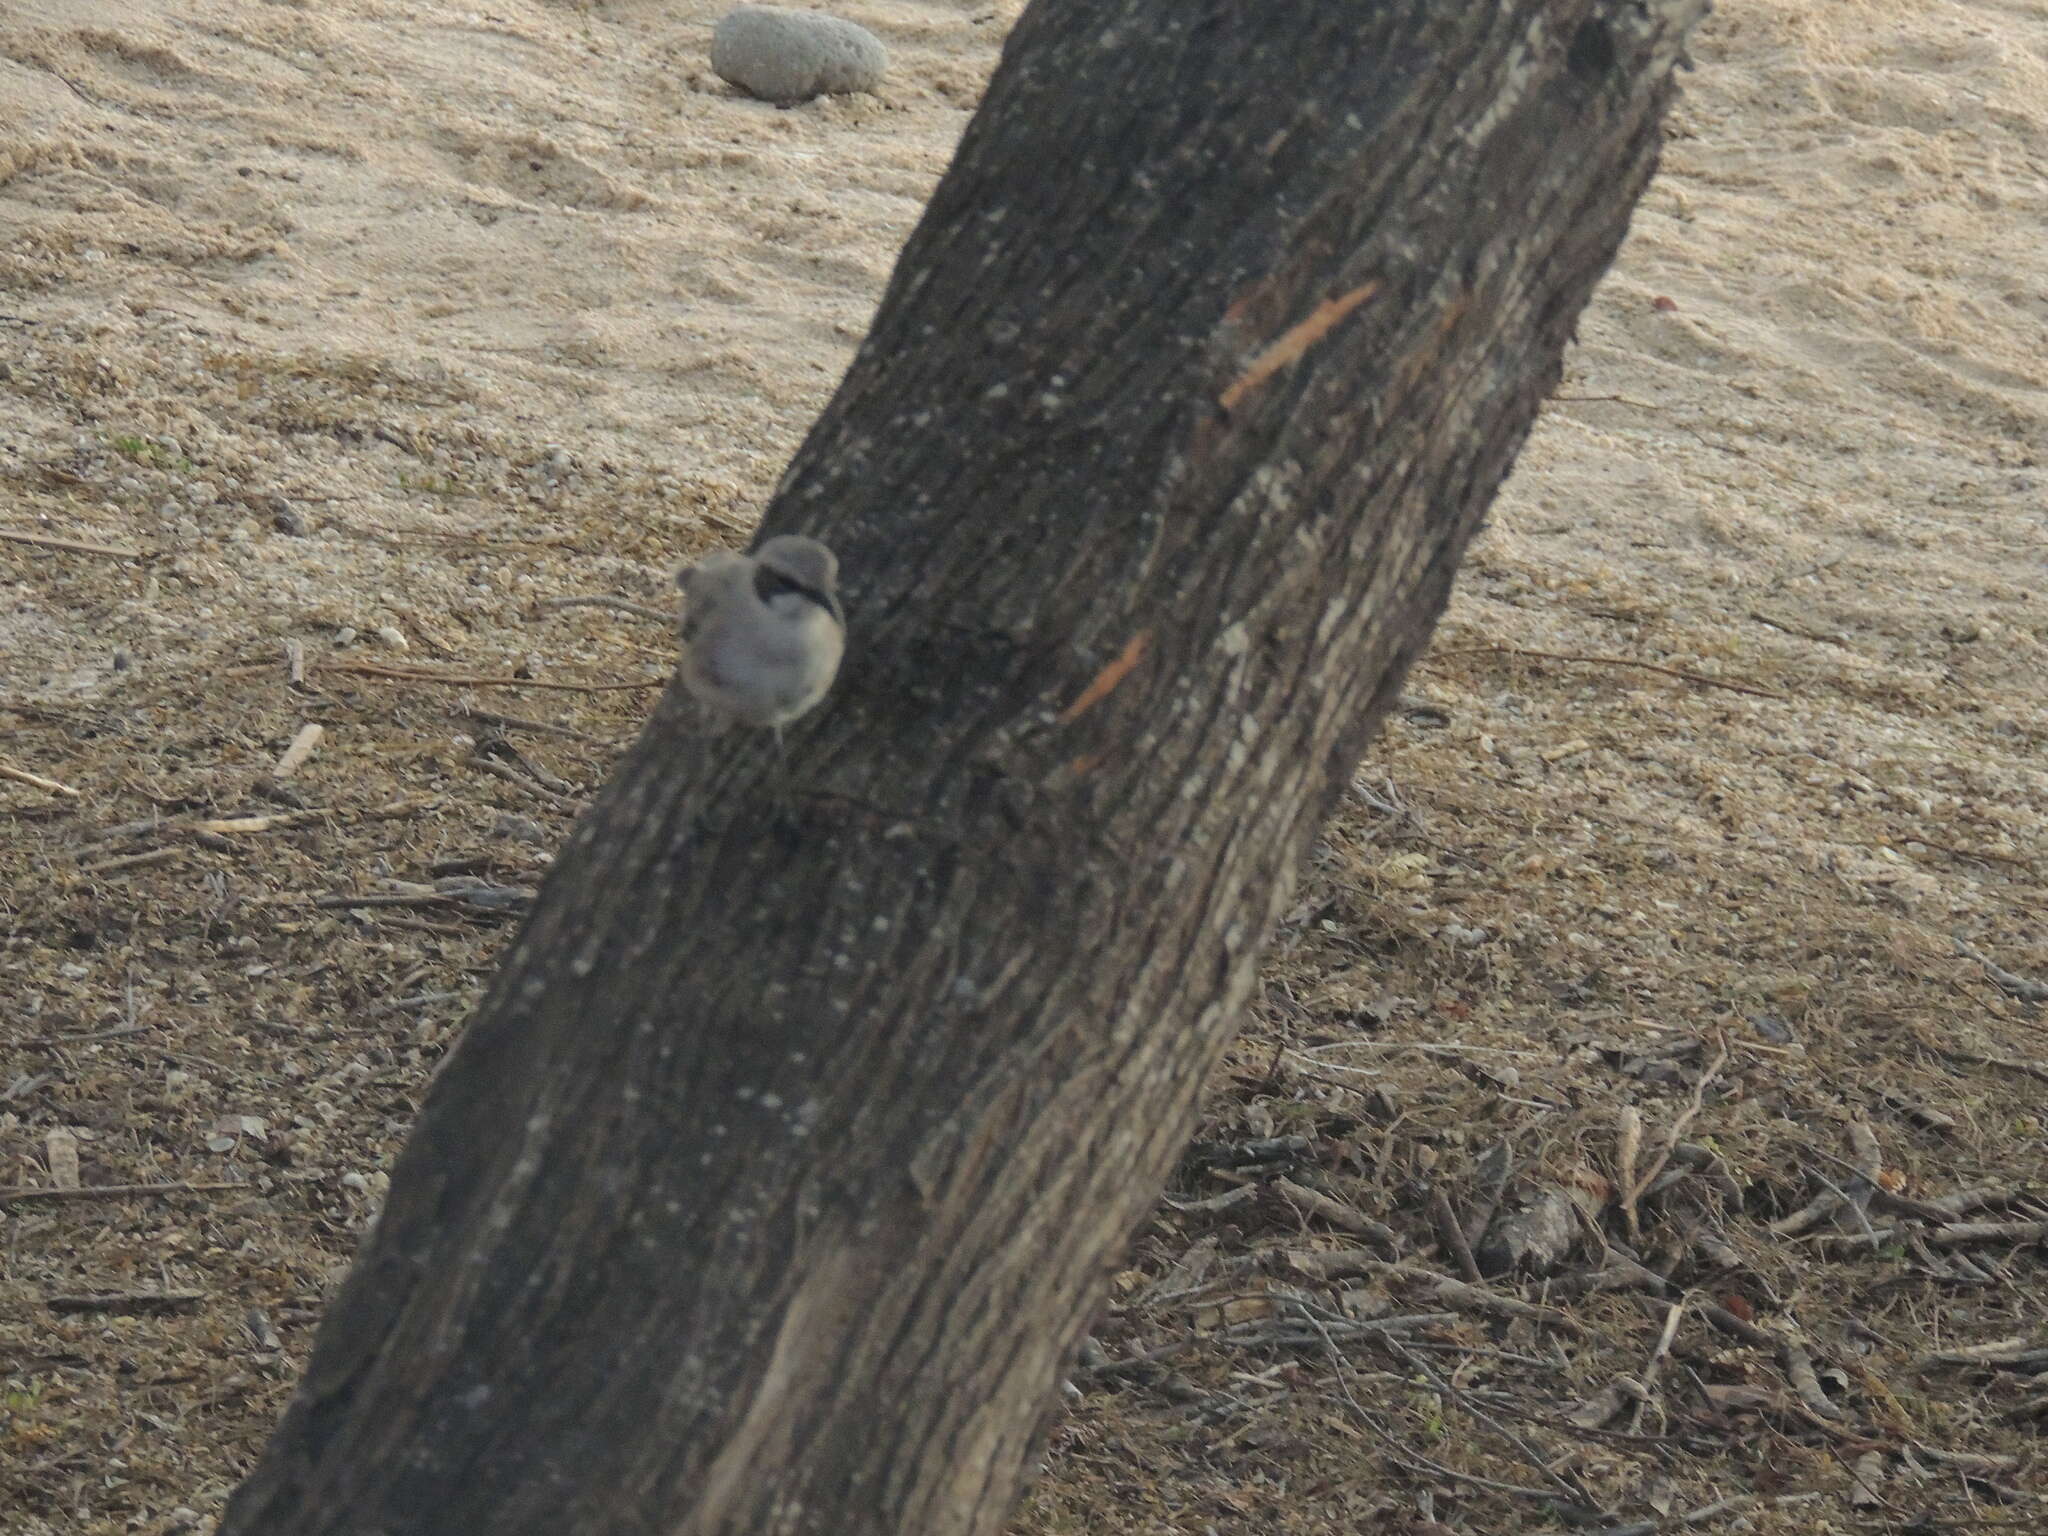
1491	968
1582	917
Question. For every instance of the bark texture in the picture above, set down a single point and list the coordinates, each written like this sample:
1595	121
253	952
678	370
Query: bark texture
779	1173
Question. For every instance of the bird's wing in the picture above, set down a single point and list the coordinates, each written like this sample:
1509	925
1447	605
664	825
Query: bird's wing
706	585
719	569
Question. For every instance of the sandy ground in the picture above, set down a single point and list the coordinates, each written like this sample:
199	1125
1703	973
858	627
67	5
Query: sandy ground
356	331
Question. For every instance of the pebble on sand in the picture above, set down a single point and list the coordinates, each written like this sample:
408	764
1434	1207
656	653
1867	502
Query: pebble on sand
789	56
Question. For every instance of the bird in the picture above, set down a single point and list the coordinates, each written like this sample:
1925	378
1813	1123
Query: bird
763	633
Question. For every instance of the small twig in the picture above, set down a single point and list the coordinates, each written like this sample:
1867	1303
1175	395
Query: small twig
417	1001
512	775
1641	405
2032	1408
1845	1201
1439	1288
132	861
1987	1232
126	1301
518	723
21	1192
270	823
37	781
1422	1047
1980	1463
385	899
494	746
1984	855
1414	1461
76	546
1821	1205
1133	1365
1464	1400
1611	661
1685	1118
2034	1069
470	680
639	610
1738	1327
1673	1315
59	1042
1337	1213
1977	1197
1240	1195
1990	1352
1788	629
1706	1512
1451	1233
1628	1139
2025	988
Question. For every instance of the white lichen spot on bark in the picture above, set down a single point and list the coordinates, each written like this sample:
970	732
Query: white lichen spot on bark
1516	79
1331	616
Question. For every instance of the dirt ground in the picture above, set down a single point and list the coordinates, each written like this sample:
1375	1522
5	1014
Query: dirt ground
1646	1106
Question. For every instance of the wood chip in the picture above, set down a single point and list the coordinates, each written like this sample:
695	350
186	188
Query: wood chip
270	823
1799	1372
60	1151
302	747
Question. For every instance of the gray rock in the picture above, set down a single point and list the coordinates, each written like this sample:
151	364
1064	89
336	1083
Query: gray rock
788	56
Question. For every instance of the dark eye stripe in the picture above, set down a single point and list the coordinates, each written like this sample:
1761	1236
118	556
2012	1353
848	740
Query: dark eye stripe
771	584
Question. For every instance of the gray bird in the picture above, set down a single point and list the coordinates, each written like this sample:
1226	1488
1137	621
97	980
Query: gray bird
763	632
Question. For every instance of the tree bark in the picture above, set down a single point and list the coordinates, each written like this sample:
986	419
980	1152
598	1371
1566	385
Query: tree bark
778	1175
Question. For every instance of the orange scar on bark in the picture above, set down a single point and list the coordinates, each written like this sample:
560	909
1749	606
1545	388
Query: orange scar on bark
1294	342
1107	679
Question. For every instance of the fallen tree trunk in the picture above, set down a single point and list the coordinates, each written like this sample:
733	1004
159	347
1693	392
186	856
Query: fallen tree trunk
777	1177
